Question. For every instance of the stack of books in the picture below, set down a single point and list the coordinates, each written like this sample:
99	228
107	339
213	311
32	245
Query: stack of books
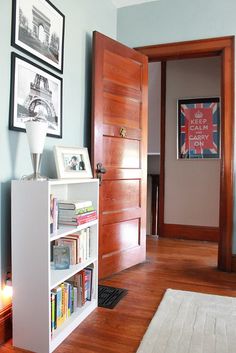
79	245
75	213
69	296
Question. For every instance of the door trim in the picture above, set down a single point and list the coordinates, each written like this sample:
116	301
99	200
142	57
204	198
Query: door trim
223	47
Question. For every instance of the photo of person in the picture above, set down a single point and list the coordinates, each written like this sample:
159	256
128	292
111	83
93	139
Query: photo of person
73	162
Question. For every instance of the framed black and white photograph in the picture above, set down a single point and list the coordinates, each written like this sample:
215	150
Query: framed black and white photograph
35	93
72	162
38	29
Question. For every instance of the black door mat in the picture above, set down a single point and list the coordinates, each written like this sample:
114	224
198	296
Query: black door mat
108	296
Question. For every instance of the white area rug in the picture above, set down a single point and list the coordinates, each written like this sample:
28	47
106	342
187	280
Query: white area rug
189	322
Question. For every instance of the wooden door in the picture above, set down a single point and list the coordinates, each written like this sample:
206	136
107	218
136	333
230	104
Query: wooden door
119	143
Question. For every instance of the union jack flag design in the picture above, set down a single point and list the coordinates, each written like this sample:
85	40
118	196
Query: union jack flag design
199	124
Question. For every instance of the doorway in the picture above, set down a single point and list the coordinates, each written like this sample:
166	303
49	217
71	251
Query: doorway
223	47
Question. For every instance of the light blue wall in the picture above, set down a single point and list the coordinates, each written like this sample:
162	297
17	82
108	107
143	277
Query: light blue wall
172	21
82	17
167	21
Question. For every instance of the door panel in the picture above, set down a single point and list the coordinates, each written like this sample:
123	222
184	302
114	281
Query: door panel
124	152
121	70
125	235
119	142
120	110
120	194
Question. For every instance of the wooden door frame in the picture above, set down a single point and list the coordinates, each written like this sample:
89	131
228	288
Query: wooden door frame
223	47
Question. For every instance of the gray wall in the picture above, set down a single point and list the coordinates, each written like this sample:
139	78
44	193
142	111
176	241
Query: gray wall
82	17
154	107
192	187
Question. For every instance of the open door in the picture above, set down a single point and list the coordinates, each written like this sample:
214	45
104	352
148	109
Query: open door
119	152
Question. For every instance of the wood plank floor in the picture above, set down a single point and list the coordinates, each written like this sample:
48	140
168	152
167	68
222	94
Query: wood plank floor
177	264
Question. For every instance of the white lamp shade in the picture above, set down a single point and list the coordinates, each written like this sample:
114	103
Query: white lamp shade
36	133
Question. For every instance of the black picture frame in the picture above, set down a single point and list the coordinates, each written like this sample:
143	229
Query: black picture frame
199	128
38	29
34	92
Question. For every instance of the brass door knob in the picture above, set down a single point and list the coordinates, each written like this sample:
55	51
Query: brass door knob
123	132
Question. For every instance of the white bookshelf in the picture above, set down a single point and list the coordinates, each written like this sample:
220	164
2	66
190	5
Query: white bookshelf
33	275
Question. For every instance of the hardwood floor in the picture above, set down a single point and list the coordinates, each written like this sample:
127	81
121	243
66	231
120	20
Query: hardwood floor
177	264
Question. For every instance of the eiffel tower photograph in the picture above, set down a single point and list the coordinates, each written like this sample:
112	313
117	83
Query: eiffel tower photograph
37	94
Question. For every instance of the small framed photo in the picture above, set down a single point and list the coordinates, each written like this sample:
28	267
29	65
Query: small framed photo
72	162
35	93
38	29
198	128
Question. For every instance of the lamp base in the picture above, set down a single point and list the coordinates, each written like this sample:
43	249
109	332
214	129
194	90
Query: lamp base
36	161
35	176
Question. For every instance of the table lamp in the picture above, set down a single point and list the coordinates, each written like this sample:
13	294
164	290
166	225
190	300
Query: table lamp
36	130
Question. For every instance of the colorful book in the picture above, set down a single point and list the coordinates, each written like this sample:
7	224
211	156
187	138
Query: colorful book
58	306
53	312
89	281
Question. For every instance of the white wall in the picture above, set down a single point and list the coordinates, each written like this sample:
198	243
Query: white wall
191	186
81	17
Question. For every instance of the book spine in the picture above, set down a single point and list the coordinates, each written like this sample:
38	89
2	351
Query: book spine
59	306
74	205
74	213
88	242
86	215
53	307
55	215
86	220
75	295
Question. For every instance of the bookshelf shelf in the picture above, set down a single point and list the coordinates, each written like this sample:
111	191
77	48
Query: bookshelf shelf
67	230
33	275
59	276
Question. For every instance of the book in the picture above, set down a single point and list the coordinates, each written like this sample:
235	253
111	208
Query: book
73	213
61	257
63	312
74	204
53	312
75	298
77	217
89	281
79	220
58	305
76	237
88	242
53	214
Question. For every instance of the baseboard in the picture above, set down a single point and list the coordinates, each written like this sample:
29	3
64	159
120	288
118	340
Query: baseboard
5	324
233	263
180	231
